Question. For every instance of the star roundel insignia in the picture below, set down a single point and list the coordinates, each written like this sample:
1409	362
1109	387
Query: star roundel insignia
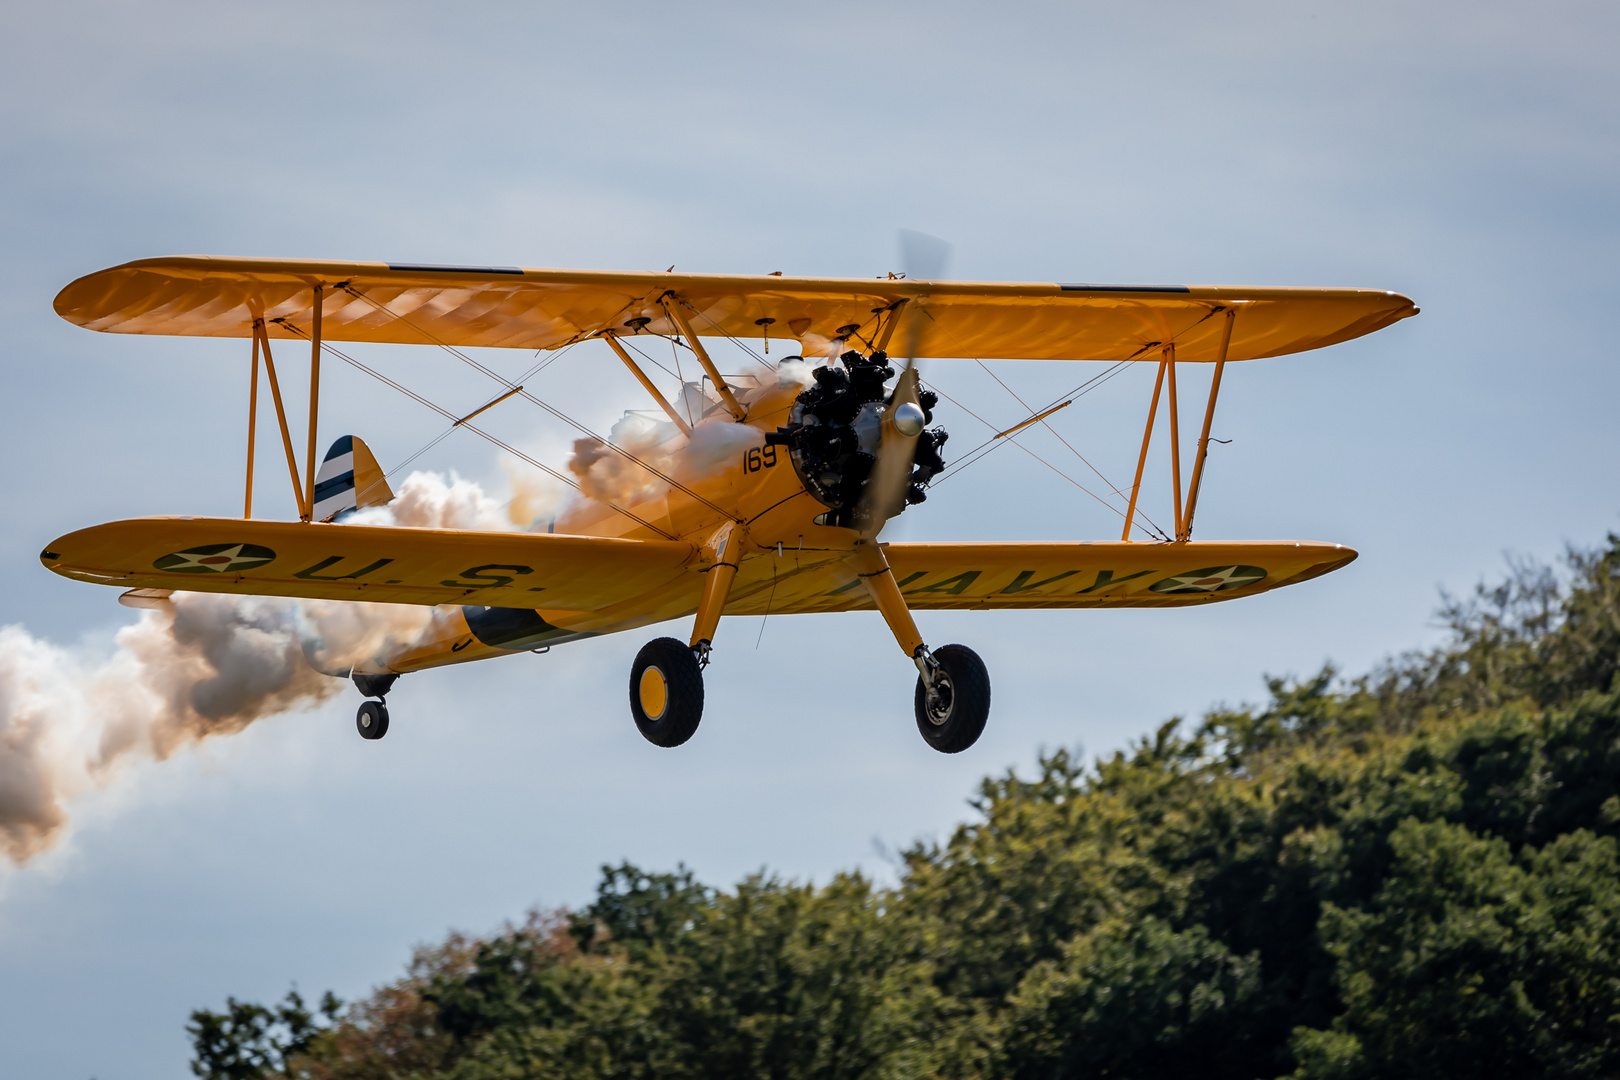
215	559
1210	579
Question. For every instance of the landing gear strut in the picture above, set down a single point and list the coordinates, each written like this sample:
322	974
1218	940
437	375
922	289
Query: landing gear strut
666	681
953	688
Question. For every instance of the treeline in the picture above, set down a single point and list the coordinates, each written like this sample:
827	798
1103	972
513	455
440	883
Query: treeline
1411	873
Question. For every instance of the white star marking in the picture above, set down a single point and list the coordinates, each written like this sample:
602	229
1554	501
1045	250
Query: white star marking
218	562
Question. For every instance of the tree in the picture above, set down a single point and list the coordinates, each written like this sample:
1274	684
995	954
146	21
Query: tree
1412	872
254	1042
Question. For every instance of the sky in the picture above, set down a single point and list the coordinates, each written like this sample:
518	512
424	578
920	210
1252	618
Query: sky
1463	154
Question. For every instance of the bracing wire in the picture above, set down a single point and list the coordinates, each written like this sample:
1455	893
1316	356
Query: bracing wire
737	341
447	432
934	387
984	449
1113	488
559	414
480	432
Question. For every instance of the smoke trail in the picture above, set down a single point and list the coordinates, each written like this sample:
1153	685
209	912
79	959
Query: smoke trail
427	500
197	666
203	665
714	443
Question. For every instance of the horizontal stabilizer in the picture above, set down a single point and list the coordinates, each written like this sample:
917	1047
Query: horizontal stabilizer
153	599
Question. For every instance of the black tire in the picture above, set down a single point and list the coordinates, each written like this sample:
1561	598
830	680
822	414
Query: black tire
372	720
957	717
666	692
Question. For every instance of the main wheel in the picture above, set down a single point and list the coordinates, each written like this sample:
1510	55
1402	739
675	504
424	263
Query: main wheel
372	720
952	718
666	692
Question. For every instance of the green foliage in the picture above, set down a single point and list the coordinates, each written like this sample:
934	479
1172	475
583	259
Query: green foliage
247	1041
1409	873
1133	1000
1470	961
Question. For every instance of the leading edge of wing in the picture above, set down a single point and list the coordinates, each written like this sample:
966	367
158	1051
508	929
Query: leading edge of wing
360	562
519	307
973	575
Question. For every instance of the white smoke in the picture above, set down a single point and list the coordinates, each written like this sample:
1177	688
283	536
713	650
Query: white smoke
816	345
428	500
651	440
196	666
204	665
201	665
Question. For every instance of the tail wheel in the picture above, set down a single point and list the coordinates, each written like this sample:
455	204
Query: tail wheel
951	716
666	692
372	720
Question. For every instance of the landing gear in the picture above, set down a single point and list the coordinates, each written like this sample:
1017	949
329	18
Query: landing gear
953	698
372	720
666	691
953	687
666	681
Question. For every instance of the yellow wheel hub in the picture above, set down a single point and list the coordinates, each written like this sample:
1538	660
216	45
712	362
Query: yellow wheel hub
654	691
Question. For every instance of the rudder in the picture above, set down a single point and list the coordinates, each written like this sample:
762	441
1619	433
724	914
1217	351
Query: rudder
350	478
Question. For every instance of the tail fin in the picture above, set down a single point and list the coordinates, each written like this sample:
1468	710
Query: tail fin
349	478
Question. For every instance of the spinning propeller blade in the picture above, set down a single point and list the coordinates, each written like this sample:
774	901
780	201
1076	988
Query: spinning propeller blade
923	257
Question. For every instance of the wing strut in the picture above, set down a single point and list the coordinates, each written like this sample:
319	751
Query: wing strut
1167	373
647	384
672	304
253	428
1175	437
1209	415
307	510
281	413
1141	461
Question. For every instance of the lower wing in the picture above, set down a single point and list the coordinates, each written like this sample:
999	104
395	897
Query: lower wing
361	562
1070	575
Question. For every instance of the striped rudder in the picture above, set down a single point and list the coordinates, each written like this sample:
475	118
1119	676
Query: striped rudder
349	478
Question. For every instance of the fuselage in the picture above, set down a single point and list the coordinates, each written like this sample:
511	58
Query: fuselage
727	477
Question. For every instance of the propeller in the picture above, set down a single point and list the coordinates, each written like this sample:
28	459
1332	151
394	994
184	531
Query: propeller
923	258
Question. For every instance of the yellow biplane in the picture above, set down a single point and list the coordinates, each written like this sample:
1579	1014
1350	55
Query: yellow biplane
825	447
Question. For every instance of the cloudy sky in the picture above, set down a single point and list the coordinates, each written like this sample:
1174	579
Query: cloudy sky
1463	154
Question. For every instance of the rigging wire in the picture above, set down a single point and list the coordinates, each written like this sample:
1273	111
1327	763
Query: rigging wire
680	375
448	415
1080	391
1041	415
559	414
447	432
737	341
935	387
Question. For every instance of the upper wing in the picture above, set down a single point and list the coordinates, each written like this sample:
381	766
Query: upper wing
545	309
995	575
359	562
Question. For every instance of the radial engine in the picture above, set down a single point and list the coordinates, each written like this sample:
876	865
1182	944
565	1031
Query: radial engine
836	428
